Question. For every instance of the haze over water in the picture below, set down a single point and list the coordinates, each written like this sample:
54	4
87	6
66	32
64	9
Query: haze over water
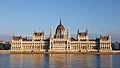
58	61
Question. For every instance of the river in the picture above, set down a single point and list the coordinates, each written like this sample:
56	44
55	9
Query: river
59	61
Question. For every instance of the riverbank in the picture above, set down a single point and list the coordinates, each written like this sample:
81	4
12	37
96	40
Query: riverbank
11	52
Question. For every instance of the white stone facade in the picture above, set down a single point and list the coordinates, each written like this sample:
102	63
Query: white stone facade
61	42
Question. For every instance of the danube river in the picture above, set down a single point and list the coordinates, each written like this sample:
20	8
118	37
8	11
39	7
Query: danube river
59	61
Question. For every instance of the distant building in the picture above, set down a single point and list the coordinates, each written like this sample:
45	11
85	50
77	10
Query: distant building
61	41
116	46
5	45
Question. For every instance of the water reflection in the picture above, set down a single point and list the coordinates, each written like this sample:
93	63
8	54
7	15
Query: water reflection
4	61
58	61
27	60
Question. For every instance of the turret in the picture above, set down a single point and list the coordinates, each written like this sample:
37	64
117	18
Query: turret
51	33
82	36
78	34
68	32
37	36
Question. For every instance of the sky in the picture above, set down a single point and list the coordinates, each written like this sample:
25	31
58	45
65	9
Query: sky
26	16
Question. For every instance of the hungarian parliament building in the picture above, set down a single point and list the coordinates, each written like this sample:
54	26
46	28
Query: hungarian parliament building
61	41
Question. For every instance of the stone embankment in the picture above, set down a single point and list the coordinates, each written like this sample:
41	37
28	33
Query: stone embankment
26	52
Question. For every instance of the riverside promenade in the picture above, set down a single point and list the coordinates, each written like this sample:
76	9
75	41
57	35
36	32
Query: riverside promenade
38	52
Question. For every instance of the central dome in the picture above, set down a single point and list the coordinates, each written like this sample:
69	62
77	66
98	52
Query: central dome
60	31
60	26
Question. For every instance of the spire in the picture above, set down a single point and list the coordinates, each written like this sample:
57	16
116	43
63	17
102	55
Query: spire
42	31
13	37
78	30
109	35
68	31
60	22
100	35
51	32
86	31
78	35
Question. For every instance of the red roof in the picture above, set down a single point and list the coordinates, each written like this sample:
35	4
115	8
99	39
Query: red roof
60	27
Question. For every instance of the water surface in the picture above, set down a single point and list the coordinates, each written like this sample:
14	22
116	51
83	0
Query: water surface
59	61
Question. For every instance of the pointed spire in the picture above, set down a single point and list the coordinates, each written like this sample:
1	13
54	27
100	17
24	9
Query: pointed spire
68	27
13	37
78	30
100	35
68	31
109	35
86	31
60	22
20	36
78	34
51	32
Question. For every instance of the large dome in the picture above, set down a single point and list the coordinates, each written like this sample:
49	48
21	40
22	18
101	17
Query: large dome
60	26
60	31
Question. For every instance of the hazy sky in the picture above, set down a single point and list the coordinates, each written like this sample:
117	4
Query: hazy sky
25	16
